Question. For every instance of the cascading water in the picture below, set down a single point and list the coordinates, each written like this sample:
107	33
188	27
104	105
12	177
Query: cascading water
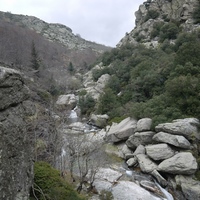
73	117
165	192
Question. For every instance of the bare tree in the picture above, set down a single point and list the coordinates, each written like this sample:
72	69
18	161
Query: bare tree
83	161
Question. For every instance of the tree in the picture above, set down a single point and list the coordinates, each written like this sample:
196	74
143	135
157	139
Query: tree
35	61
86	104
196	13
80	160
71	68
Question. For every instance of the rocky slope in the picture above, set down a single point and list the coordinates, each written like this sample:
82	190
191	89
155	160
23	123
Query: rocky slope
53	32
152	12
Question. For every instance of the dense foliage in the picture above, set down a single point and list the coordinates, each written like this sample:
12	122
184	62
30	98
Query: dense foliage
49	185
161	83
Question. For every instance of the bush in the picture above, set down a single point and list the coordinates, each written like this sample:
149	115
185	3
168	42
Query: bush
168	31
50	186
86	104
106	195
196	13
151	14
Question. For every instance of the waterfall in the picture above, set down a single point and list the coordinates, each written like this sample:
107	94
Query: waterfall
73	117
73	114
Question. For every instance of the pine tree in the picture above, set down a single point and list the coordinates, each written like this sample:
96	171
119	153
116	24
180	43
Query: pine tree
71	68
35	61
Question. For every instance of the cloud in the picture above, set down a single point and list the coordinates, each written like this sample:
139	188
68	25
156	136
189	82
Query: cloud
102	21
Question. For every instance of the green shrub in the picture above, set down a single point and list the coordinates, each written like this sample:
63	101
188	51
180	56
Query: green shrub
156	29
196	13
50	186
106	195
168	31
86	104
151	14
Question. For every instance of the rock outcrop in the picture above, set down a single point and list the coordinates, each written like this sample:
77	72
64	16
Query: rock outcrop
162	152
121	131
186	127
95	89
152	12
16	147
67	102
159	151
175	140
181	163
99	120
140	138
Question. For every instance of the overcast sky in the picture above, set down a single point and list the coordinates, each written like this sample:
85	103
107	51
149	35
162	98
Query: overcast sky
101	21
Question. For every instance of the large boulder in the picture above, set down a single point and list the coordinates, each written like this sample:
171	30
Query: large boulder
146	164
161	180
144	124
189	187
122	131
186	127
139	150
101	82
12	88
159	151
175	140
67	101
181	163
108	174
140	138
131	191
98	120
16	136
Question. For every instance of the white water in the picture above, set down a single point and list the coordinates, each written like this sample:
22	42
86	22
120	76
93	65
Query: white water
165	192
63	153
73	114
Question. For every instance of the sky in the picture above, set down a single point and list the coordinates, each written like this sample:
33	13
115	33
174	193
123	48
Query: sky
100	21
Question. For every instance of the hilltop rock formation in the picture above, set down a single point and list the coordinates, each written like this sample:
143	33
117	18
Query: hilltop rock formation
153	12
16	143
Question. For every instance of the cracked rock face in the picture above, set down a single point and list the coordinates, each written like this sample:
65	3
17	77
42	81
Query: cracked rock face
16	148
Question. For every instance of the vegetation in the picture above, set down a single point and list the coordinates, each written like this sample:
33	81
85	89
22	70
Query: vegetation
71	68
151	14
86	104
196	13
161	83
48	184
164	31
35	60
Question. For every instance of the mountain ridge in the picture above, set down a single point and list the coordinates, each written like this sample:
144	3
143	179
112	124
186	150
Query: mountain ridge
53	31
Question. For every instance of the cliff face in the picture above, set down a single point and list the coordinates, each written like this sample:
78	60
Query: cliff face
152	12
16	143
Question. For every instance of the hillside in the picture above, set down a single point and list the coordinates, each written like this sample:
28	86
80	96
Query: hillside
155	70
55	44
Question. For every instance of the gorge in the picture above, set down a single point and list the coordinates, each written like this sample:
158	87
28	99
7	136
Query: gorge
120	123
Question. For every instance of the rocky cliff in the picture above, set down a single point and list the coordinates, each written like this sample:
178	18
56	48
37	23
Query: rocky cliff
153	13
16	144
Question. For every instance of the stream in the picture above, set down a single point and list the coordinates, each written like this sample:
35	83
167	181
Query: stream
89	130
